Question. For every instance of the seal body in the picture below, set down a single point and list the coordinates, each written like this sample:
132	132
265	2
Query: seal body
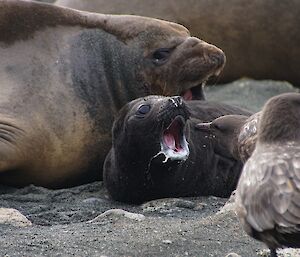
268	192
64	76
157	151
256	43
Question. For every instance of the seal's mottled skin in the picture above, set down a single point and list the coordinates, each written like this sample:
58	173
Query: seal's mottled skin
260	38
135	170
65	74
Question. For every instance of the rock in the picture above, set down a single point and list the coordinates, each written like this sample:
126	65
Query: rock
13	217
287	252
248	93
118	213
229	205
233	255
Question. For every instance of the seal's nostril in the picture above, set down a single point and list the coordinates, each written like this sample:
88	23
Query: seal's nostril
218	59
176	100
222	59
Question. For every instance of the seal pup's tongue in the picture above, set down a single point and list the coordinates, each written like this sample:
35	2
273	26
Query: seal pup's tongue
171	136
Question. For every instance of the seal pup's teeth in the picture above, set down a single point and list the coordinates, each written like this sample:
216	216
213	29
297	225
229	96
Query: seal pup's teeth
169	140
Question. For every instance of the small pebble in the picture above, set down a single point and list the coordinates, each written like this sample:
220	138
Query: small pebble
118	213
167	241
233	255
13	217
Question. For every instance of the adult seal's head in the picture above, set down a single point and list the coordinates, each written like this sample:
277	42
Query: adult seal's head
161	55
269	188
157	152
64	76
235	135
255	46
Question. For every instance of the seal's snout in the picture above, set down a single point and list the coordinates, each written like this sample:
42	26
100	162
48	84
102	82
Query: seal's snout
218	59
214	53
176	106
214	56
193	41
176	101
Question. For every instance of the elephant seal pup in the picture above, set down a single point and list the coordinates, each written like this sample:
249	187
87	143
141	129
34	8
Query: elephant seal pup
268	192
236	135
157	151
64	76
247	31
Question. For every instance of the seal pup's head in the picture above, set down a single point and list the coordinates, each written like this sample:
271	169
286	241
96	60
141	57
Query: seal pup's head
149	140
268	191
153	127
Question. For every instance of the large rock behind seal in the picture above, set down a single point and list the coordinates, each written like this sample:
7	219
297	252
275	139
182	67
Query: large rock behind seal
64	75
260	38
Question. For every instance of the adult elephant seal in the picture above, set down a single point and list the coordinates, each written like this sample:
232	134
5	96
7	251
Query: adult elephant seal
157	151
65	74
260	38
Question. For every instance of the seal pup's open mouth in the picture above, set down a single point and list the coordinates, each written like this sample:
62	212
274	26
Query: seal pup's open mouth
173	141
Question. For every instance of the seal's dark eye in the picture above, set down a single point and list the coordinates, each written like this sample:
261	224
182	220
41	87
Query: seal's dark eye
143	109
161	55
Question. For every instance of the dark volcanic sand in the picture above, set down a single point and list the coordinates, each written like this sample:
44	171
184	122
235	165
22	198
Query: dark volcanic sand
171	227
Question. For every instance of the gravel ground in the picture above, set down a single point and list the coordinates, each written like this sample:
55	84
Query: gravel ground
63	221
168	227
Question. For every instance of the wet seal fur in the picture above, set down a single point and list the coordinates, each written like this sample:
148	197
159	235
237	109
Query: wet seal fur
268	192
157	151
257	44
64	76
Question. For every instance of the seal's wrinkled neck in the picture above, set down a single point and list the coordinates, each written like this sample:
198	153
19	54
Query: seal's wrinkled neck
103	69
